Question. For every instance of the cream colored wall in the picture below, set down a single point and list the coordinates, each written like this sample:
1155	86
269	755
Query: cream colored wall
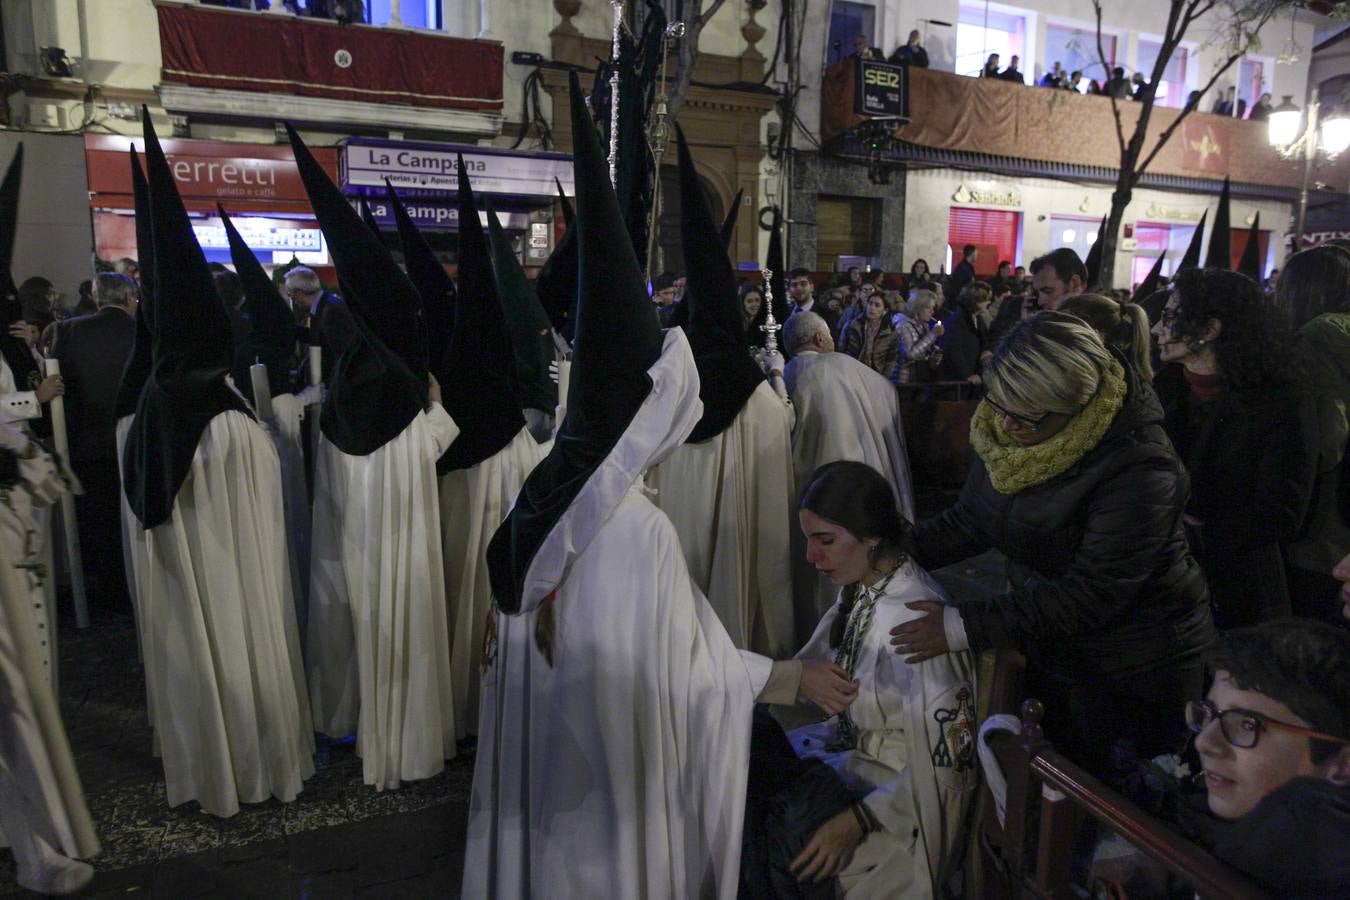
929	198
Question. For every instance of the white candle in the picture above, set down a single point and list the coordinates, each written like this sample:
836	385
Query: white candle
315	365
262	391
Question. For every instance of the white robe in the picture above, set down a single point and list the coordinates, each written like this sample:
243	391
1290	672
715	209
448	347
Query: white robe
41	801
134	550
378	648
620	770
474	502
915	754
844	411
222	651
730	499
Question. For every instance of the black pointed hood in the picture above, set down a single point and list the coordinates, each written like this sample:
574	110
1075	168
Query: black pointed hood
379	383
367	216
1250	264
527	324
191	354
1220	254
568	212
14	350
434	284
476	376
556	283
1191	258
617	341
1093	263
727	374
728	230
137	369
1152	282
272	335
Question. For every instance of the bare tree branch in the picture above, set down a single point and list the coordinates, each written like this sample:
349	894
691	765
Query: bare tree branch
1186	111
712	11
1106	68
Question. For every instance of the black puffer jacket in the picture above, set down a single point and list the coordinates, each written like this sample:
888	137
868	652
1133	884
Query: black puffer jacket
1103	586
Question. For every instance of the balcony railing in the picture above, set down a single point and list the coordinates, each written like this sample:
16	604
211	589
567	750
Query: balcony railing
213	47
996	118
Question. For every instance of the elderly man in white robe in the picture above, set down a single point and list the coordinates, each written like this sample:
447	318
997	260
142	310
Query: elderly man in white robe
378	640
222	650
844	410
614	740
728	489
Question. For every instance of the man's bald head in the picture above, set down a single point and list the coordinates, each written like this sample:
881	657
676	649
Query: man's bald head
807	331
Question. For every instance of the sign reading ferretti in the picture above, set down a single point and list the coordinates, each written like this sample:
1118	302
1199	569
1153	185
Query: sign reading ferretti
367	163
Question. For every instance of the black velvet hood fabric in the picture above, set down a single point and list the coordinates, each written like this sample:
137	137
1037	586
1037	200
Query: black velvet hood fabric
379	383
273	334
137	369
433	283
191	353
617	341
527	325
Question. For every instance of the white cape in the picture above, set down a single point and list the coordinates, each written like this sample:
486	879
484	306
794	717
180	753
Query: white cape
474	502
40	793
619	770
844	411
378	648
730	499
915	756
222	650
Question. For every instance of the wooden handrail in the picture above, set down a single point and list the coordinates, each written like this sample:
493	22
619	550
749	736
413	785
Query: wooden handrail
1201	870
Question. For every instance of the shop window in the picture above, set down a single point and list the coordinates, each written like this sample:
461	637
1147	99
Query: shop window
982	30
1075	49
847	21
995	232
1078	233
1173	86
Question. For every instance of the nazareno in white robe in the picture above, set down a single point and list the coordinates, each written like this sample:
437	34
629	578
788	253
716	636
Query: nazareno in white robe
730	499
474	502
40	793
844	411
378	648
620	770
222	650
915	754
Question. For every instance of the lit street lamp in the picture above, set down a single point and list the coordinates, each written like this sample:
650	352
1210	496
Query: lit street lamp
1331	135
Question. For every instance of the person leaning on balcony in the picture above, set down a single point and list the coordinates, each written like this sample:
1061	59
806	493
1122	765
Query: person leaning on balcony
1054	78
990	67
1012	73
1261	111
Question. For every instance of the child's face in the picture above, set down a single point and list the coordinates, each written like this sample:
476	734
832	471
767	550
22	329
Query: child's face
1238	778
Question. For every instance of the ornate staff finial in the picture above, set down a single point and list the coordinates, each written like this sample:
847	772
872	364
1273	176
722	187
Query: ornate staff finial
617	6
770	326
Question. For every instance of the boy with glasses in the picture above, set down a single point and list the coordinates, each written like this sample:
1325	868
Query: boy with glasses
1273	736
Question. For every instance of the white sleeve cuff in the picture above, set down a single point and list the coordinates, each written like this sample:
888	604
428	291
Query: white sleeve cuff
443	428
19	406
955	629
759	668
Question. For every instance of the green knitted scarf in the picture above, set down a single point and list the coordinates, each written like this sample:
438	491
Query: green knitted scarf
1015	467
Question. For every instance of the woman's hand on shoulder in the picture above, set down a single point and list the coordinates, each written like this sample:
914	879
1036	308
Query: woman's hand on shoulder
827	686
924	637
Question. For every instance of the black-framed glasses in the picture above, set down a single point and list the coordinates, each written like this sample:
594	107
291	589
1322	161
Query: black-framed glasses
1242	727
1169	317
1029	423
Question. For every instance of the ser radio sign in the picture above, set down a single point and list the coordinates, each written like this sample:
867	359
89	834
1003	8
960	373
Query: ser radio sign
881	90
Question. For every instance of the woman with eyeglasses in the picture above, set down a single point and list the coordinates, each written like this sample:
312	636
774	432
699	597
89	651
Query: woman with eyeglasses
1241	420
1076	484
1273	736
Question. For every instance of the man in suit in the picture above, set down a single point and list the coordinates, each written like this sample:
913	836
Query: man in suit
330	325
92	351
963	274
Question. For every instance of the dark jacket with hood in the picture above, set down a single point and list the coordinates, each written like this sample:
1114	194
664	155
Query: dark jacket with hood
1104	592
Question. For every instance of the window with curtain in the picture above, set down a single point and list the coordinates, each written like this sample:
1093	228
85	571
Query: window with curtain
1076	50
994	231
1172	88
981	31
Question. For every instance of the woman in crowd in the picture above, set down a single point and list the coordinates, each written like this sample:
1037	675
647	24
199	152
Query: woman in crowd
918	354
895	305
1076	484
858	308
918	275
871	338
901	761
1123	327
752	301
1246	428
966	348
1315	289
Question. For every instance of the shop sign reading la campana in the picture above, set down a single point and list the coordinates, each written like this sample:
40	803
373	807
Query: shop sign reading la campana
367	163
